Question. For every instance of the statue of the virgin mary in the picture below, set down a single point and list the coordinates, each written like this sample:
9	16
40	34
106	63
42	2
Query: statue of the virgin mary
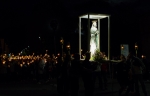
93	40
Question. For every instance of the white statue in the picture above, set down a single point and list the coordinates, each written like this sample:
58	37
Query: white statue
93	40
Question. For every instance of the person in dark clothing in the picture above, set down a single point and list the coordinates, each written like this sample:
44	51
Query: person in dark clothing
136	70
146	74
47	70
104	70
65	74
74	75
88	77
97	75
59	76
122	74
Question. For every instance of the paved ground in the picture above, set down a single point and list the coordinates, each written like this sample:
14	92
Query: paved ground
31	88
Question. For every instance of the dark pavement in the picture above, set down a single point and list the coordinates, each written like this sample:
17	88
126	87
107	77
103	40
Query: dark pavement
32	88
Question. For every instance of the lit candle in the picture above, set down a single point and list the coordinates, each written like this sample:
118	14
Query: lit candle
20	65
4	62
9	59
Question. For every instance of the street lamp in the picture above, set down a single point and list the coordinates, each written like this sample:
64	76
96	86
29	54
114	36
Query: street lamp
68	48
142	56
62	44
136	48
122	47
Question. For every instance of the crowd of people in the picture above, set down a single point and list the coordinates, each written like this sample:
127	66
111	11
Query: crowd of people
130	72
72	70
21	68
67	70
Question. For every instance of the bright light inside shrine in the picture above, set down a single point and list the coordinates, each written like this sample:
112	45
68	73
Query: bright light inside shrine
95	16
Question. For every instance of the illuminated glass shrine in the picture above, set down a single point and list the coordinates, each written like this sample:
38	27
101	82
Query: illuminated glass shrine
94	33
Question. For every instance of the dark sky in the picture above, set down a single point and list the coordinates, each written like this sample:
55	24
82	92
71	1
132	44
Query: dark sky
23	21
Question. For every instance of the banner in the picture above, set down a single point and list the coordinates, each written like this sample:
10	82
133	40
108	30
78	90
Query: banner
125	49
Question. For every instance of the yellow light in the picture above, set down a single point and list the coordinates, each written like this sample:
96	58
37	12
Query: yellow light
62	41
20	65
3	56
4	62
122	47
9	59
136	46
45	60
45	54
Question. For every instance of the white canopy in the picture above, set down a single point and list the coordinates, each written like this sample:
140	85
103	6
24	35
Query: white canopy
94	16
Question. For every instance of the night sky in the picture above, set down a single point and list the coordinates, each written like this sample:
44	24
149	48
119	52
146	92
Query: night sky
23	21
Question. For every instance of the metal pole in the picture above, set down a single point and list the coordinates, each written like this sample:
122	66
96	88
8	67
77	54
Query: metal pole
99	44
136	48
109	50
88	33
136	52
112	79
108	38
80	36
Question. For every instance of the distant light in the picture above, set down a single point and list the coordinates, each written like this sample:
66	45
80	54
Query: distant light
28	46
39	37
